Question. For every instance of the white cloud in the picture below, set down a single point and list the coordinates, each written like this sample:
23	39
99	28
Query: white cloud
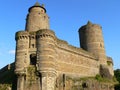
11	52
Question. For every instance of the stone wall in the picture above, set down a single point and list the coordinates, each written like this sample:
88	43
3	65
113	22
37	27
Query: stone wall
87	84
75	61
65	82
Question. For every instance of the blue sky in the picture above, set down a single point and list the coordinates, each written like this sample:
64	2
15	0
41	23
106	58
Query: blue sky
66	17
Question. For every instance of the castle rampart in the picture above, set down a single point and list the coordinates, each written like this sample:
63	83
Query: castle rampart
75	61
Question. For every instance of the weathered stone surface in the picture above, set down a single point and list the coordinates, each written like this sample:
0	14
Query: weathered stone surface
44	62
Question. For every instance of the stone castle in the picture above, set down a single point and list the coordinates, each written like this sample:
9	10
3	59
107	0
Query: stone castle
44	62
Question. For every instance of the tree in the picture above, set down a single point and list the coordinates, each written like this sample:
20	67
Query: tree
117	74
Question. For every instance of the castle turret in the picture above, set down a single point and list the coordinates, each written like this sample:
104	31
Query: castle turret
91	40
46	58
22	45
37	18
21	58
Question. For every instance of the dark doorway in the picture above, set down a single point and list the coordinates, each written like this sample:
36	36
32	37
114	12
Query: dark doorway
33	59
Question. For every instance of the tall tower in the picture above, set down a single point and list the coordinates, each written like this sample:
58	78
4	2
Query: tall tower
37	18
46	58
21	57
35	52
91	40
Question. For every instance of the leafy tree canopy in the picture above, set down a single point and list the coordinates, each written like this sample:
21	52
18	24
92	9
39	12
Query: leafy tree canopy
117	74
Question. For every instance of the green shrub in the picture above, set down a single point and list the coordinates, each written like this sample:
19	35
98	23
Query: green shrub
98	77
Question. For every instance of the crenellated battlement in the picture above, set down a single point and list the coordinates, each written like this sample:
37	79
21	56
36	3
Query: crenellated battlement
21	35
65	46
32	35
45	33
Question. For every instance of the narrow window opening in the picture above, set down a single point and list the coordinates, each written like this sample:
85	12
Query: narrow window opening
44	17
100	45
42	11
64	78
33	45
33	59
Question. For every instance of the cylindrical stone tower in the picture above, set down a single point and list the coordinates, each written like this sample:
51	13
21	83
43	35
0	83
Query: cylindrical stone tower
22	45
37	18
46	58
91	39
21	58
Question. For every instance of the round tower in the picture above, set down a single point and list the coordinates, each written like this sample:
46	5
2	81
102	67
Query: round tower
46	58
37	18
22	45
21	57
91	39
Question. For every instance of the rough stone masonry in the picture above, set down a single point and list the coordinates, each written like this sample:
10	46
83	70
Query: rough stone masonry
44	62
